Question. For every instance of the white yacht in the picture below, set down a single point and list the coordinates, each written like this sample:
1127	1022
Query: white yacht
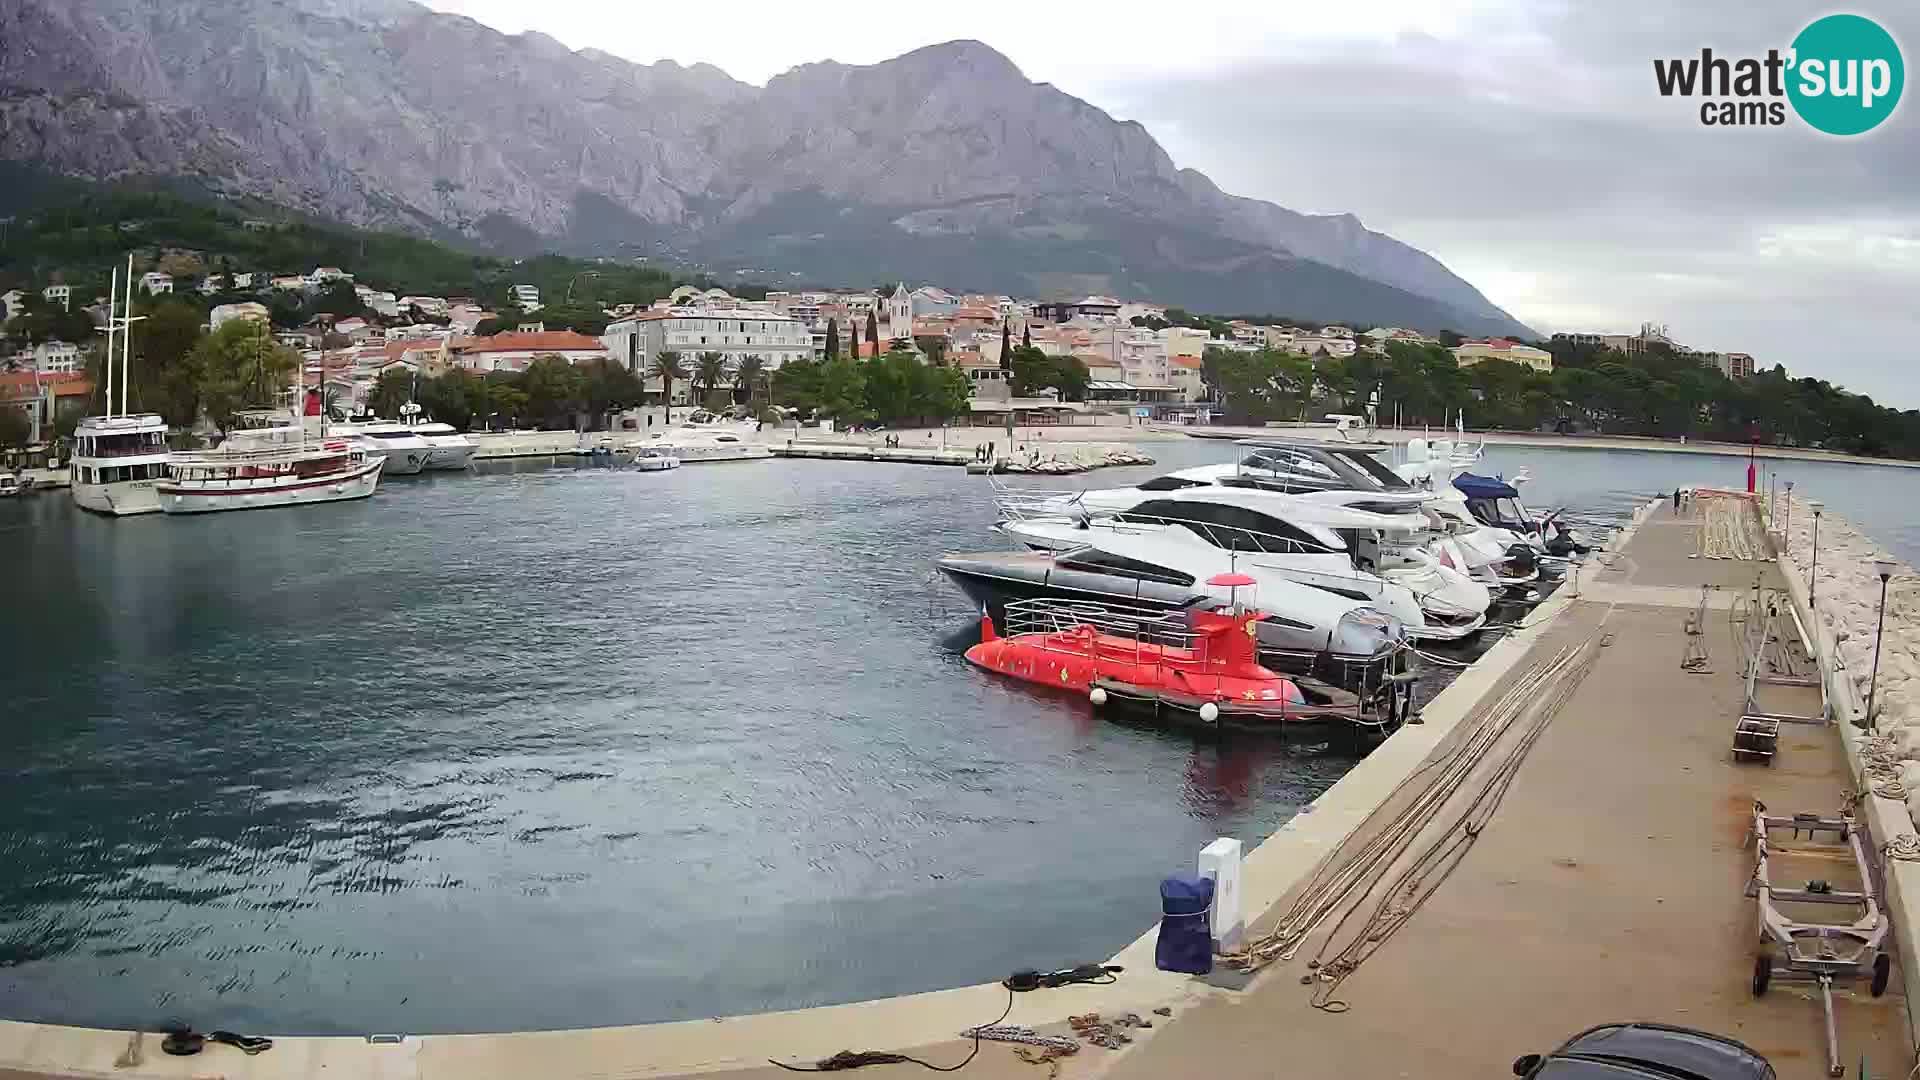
447	448
406	450
1353	553
118	457
709	442
116	462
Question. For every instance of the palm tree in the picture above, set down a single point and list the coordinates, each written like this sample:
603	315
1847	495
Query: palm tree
709	371
752	368
667	366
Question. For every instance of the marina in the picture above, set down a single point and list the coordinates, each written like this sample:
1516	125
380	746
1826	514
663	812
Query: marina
1670	866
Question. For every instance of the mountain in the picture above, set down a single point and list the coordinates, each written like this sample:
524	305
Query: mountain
944	164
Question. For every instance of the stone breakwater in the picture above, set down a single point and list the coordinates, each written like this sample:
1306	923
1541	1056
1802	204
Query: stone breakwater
1846	594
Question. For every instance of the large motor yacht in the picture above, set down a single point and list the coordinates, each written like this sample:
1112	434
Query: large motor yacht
447	448
1320	543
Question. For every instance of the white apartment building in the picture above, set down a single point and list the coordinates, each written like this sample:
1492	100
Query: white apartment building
15	302
777	339
56	358
156	283
59	294
527	296
432	305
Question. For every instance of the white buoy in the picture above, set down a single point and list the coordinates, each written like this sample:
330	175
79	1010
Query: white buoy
1209	712
1098	697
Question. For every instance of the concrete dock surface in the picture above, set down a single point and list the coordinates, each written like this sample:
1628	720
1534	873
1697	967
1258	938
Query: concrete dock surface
1608	887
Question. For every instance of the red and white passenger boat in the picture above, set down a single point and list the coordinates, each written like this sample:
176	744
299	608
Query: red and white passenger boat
199	483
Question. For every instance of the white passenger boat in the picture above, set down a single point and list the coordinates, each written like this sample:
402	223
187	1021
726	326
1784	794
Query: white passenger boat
116	462
233	479
9	485
118	456
710	443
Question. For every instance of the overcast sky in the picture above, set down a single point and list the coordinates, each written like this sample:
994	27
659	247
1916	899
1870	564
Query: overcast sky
1523	144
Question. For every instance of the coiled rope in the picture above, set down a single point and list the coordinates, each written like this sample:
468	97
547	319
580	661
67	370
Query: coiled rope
1881	763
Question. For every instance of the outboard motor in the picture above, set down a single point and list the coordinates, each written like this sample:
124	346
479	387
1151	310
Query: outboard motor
1562	543
1522	559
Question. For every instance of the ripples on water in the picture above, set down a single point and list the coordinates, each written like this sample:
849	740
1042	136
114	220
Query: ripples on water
546	747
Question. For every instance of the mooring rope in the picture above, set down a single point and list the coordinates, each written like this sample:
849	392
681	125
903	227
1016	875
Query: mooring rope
1369	852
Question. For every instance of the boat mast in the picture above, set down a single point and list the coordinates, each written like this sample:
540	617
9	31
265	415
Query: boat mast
113	295
126	340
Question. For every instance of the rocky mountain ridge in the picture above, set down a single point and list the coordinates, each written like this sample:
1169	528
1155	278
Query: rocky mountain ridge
946	160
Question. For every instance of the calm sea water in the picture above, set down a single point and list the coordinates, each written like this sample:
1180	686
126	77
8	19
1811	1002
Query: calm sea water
545	747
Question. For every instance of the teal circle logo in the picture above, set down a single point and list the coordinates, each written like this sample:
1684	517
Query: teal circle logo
1846	74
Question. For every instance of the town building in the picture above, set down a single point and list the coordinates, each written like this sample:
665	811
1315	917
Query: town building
1737	365
1092	308
243	281
1470	353
899	315
777	339
15	302
527	296
514	350
226	313
59	294
57	358
294	283
156	283
323	276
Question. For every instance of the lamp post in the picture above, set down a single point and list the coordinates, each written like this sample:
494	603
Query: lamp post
1885	570
1788	518
1813	574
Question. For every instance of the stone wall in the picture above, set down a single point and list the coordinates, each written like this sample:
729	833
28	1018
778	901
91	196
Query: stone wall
1846	595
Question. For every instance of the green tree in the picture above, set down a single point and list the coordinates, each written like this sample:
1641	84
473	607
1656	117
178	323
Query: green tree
164	378
610	387
339	300
710	369
555	390
843	392
833	340
391	390
504	399
668	366
748	376
799	384
239	367
873	333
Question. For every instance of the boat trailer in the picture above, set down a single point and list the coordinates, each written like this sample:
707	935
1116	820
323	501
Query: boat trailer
1792	950
1775	657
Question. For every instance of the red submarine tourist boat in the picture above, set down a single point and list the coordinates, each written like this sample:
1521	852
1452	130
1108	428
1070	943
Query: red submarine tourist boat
1194	668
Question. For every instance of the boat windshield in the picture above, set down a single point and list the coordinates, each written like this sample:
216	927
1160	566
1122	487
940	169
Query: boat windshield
390	435
1373	467
1106	562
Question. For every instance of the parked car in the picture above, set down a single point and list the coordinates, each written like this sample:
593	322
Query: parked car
1646	1052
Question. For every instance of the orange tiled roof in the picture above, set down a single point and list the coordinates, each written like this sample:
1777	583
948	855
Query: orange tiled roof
515	341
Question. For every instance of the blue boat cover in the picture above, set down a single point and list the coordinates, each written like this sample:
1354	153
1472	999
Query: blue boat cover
1484	487
1186	936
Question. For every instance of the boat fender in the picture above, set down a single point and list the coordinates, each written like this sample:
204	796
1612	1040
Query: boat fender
1098	696
986	626
1210	712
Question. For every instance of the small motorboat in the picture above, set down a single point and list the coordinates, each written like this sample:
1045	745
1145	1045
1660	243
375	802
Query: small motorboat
654	459
1195	667
10	485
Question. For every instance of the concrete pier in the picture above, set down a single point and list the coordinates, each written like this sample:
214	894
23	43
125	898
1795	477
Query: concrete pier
1609	886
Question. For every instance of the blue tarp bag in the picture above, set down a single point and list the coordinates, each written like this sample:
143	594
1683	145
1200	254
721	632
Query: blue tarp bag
1186	933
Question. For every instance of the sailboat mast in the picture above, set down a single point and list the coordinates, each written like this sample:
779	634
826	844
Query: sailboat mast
126	341
113	295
